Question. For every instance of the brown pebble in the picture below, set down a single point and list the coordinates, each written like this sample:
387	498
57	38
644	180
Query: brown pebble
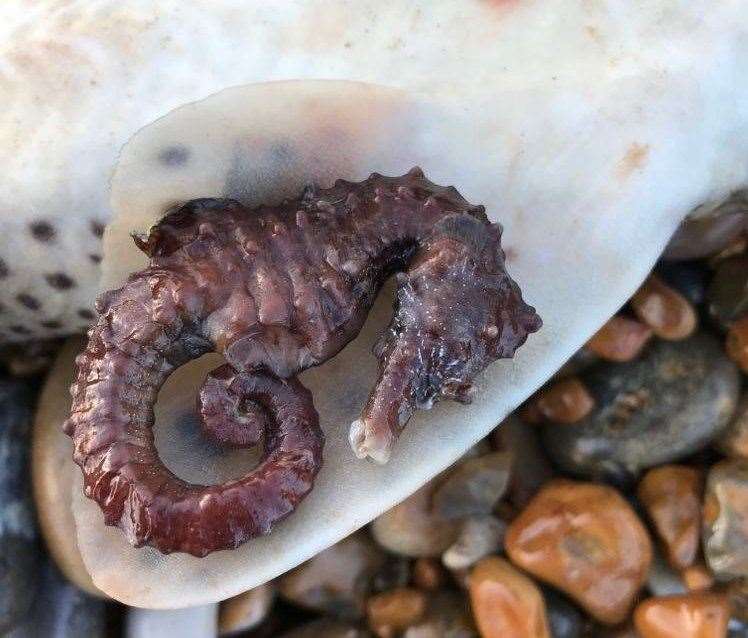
427	574
566	401
734	440
620	340
737	343
586	540
245	611
671	494
696	615
391	612
697	577
670	315
505	602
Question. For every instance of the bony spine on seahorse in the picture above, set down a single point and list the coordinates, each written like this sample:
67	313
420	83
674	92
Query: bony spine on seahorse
276	290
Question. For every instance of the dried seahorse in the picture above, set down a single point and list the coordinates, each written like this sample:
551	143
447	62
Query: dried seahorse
276	290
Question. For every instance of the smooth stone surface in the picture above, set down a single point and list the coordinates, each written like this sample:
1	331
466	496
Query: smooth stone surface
584	539
686	616
479	537
428	574
505	602
725	532
670	402
727	296
336	581
697	577
447	615
245	611
620	339
670	315
412	529
734	440
326	628
19	542
473	487
662	579
392	612
52	469
737	343
564	618
62	610
189	622
565	401
671	495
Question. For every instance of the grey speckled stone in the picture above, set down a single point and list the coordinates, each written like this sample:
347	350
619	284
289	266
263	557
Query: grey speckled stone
19	550
670	402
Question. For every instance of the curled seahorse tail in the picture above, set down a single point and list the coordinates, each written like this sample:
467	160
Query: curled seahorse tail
142	335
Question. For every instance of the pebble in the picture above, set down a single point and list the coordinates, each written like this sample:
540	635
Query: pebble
564	618
390	613
479	537
737	343
393	573
620	339
505	602
61	610
700	615
689	278
326	628
473	487
670	402
565	401
334	581
671	495
727	295
670	315
19	548
447	616
584	539
427	574
411	528
697	578
245	611
662	579
734	440
737	590
725	532
530	467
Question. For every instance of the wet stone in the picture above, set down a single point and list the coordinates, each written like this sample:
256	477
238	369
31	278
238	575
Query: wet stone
390	613
725	513
727	295
697	577
19	550
473	487
505	602
737	343
620	339
671	495
700	615
479	537
734	440
670	315
584	539
564	618
669	403
565	401
447	616
335	581
411	528
245	611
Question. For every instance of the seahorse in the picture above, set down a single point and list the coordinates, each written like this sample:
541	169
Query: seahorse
275	290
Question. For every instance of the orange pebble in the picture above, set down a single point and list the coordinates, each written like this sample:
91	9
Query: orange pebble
427	574
621	339
505	602
586	540
393	611
670	315
566	401
697	577
737	343
697	615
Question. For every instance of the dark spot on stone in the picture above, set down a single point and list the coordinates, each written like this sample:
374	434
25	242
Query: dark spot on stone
97	228
59	280
85	313
20	330
42	230
176	155
51	325
27	301
96	259
4	270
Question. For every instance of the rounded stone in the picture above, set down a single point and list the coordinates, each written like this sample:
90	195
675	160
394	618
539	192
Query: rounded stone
587	541
620	339
428	574
670	315
335	581
727	296
411	528
392	612
737	343
725	532
505	602
701	615
245	611
667	404
479	537
447	616
565	401
671	495
734	440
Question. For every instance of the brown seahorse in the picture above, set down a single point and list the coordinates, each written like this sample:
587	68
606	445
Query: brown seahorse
275	290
